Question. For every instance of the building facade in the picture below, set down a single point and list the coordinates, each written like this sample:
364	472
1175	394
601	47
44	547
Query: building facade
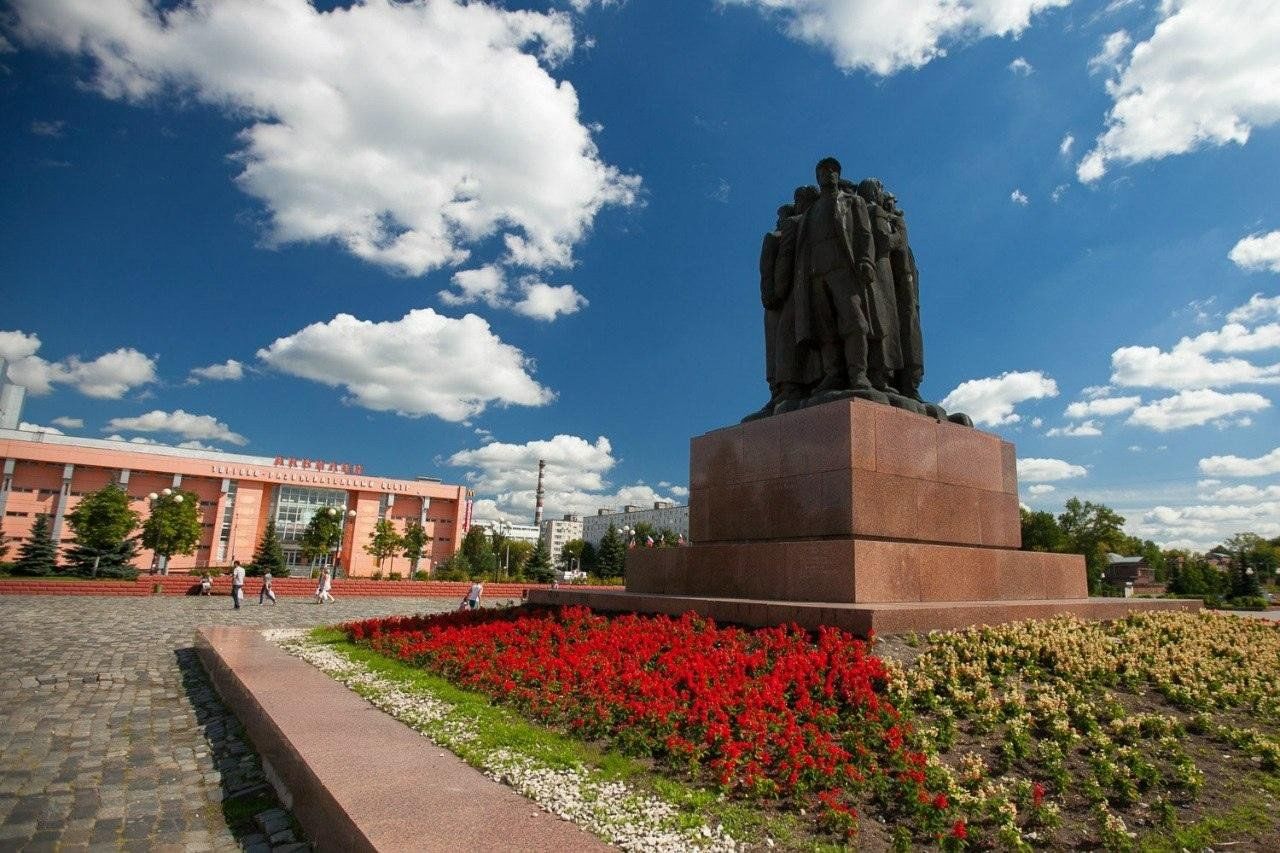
556	532
47	474
663	516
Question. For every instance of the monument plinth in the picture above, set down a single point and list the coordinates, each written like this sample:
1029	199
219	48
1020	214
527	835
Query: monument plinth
858	515
847	499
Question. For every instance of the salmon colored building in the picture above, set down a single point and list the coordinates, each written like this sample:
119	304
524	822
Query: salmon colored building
46	474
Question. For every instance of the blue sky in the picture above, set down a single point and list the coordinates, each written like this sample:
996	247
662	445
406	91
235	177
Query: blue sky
442	239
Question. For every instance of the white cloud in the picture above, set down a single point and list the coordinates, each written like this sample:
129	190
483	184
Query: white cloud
1036	423
408	133
1194	408
1258	252
990	401
109	376
1258	307
1203	525
69	423
1244	494
1183	367
230	370
886	36
1041	489
195	445
1022	67
26	427
1019	197
488	284
1081	430
48	128
547	301
1102	407
1237	466
574	480
16	345
180	423
1207	76
1058	192
1032	470
1108	58
422	364
1064	147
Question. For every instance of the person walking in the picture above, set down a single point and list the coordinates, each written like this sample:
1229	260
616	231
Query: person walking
237	583
266	591
473	595
323	589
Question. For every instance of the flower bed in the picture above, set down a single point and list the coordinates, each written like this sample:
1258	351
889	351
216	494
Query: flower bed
772	713
1051	733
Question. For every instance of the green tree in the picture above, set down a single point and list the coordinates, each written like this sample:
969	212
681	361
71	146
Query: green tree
412	543
1092	530
385	541
611	556
590	557
322	536
173	526
102	523
38	555
479	552
539	568
645	531
1040	531
269	556
1246	564
668	538
456	568
521	552
4	546
571	553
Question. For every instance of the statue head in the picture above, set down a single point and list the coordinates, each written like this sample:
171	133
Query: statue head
872	190
804	197
786	211
891	202
828	172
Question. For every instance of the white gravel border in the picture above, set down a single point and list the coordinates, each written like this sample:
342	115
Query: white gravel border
609	809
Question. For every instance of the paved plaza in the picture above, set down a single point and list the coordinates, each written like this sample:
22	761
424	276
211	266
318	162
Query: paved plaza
111	737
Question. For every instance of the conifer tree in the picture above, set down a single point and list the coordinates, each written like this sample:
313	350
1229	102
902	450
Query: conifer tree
611	556
539	569
270	554
38	555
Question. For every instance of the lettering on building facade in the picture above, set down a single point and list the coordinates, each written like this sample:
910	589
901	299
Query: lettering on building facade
314	476
318	465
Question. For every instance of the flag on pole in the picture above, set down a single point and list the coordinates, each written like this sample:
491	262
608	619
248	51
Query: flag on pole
648	542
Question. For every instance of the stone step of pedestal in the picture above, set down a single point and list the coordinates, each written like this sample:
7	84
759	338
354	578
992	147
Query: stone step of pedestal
856	571
860	619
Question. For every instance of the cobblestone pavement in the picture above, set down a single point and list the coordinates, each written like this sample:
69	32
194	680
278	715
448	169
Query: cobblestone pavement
111	737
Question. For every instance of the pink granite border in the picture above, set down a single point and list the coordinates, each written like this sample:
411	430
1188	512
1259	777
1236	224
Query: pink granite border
355	778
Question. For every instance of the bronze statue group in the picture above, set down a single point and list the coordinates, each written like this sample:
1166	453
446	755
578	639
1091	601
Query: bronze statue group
841	296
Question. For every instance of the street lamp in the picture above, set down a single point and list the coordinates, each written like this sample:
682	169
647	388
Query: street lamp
503	527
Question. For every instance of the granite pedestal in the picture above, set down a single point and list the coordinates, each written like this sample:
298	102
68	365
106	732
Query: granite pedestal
859	515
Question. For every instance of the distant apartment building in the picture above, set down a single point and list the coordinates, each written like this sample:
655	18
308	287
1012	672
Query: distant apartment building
663	516
517	532
556	532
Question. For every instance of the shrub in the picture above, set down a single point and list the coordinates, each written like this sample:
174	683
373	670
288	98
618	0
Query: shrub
377	575
394	576
421	575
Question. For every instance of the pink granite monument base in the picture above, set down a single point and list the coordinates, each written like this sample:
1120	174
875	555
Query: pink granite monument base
864	515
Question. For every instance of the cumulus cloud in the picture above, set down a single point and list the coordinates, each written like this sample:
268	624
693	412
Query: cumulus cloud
1084	429
109	376
179	423
422	364
1195	408
1019	197
69	423
229	371
1022	67
1032	470
1258	252
1203	525
1040	489
1108	58
1238	466
575	477
990	401
1207	76
1101	407
536	299
1244	494
27	427
1258	307
407	133
1064	147
886	36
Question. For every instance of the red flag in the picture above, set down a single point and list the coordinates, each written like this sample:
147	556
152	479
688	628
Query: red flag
648	542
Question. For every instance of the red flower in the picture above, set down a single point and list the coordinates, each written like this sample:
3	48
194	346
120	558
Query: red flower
1037	794
940	802
958	830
